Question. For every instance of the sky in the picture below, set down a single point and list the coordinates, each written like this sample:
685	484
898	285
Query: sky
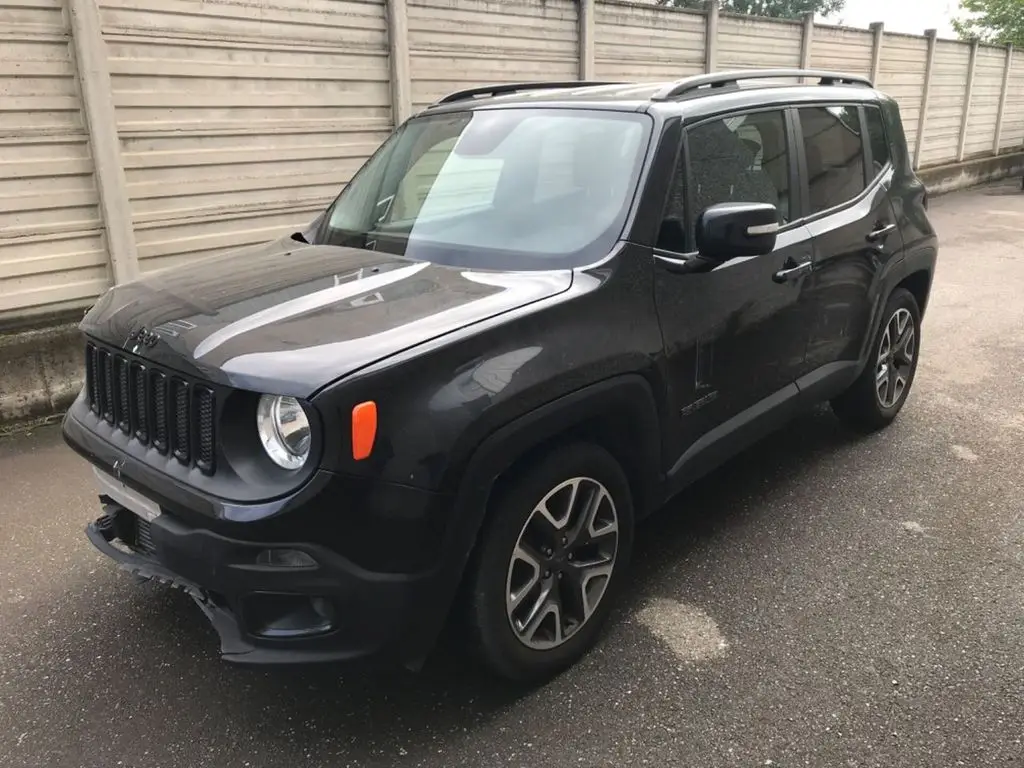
913	16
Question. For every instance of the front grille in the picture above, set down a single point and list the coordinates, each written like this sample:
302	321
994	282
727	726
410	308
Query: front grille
152	406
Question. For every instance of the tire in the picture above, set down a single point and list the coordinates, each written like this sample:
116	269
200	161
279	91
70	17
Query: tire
872	402
511	554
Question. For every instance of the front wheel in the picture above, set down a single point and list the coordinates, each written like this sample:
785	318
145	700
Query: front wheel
878	395
551	557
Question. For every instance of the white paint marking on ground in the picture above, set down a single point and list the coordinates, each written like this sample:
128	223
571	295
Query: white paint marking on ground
690	633
964	453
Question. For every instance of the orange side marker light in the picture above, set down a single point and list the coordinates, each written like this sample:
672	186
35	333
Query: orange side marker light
364	429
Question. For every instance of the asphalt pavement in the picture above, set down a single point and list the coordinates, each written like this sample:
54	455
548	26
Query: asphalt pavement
822	600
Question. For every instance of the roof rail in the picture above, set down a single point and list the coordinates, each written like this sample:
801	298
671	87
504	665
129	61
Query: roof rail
723	79
503	88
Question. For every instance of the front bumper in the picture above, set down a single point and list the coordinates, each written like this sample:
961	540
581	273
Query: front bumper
269	613
387	564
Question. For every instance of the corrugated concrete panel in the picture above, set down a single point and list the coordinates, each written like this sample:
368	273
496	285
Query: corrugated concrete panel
901	76
240	119
457	44
748	43
52	254
946	107
644	43
842	49
988	85
1013	116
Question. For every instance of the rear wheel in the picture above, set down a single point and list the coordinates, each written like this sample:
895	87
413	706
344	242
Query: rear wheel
878	395
550	559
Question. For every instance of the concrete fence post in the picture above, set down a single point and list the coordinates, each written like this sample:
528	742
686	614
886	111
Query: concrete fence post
878	31
711	37
588	65
93	73
398	57
972	65
1002	100
806	42
926	93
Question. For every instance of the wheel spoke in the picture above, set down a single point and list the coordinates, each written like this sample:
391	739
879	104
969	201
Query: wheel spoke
592	583
882	381
547	605
905	346
885	345
890	389
517	593
900	385
581	530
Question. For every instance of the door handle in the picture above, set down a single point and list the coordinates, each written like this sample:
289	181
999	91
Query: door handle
881	234
793	271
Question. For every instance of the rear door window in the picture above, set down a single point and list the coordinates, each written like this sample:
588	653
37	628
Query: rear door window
834	147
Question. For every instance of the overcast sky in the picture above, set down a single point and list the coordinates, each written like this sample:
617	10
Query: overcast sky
900	15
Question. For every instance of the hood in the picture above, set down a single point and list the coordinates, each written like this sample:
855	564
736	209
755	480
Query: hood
288	318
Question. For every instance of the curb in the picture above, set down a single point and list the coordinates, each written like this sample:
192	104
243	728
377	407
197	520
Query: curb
42	371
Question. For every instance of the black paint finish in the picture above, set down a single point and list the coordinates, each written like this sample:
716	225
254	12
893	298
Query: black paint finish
672	362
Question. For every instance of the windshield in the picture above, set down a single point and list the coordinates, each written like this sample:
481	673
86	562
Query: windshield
507	189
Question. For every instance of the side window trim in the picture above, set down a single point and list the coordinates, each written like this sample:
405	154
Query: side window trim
689	217
798	171
869	150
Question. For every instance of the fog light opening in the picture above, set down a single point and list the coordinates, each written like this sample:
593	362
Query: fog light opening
281	616
285	558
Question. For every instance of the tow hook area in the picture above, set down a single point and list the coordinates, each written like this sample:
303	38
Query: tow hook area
105	527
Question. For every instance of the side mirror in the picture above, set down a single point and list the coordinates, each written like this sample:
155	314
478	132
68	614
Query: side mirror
731	230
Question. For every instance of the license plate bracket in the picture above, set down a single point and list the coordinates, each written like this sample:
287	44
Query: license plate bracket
127	497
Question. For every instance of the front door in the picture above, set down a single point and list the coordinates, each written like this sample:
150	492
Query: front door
735	336
849	175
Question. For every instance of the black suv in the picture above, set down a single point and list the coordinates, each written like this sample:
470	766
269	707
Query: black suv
536	313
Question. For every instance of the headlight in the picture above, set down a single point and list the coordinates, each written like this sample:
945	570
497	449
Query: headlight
284	430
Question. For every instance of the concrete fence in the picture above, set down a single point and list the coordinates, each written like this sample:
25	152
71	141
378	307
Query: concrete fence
139	134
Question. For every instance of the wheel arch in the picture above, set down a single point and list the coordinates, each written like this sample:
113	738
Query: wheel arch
595	413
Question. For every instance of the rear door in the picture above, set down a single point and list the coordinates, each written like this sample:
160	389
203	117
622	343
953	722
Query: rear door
848	177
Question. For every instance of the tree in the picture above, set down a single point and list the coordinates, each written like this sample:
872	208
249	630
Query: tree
779	9
993	21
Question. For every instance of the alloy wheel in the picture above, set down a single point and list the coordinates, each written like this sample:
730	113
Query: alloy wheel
895	358
562	563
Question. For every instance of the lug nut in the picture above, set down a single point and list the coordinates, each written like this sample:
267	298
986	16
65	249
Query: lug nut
547	574
559	575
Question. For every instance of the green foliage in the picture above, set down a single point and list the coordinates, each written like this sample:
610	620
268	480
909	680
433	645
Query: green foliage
992	21
779	9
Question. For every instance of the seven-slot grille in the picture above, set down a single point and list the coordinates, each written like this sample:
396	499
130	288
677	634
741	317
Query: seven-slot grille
153	406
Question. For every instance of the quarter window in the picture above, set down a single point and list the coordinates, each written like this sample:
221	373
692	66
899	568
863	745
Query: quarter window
835	155
737	159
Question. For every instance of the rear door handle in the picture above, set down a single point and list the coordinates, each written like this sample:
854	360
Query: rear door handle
793	271
881	234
